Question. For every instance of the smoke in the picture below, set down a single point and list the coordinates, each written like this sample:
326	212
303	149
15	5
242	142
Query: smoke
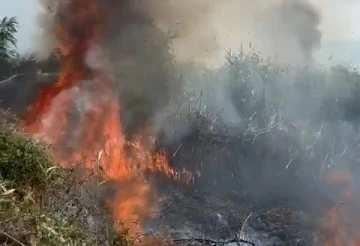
129	47
293	29
202	30
141	62
144	39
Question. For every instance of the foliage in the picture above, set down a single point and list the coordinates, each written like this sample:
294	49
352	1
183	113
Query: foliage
24	161
32	189
8	29
11	62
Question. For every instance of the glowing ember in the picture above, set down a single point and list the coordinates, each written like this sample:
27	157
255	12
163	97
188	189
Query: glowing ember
80	115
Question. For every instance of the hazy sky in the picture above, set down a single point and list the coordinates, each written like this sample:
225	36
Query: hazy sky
25	11
341	20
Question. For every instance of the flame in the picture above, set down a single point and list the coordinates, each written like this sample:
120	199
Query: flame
79	115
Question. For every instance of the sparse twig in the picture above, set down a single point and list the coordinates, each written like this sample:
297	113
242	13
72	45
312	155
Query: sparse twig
244	224
289	163
13	239
177	150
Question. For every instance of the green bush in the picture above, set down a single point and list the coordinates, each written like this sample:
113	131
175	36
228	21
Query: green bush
23	161
33	189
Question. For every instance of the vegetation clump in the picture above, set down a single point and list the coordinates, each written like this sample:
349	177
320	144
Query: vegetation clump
32	190
24	161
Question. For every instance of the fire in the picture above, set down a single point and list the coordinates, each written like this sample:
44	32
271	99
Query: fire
340	226
79	115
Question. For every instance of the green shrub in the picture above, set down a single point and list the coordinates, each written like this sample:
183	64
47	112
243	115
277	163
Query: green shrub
23	161
33	189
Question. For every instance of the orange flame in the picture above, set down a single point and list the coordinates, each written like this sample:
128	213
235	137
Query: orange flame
93	135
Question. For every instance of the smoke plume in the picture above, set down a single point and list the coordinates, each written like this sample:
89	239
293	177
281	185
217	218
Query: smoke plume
142	39
203	30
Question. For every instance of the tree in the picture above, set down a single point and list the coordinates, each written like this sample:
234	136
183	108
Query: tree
8	29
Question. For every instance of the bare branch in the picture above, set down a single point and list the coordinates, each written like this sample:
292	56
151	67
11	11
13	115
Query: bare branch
207	241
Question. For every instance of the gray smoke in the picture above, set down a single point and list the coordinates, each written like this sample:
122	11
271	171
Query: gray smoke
202	30
141	63
294	29
137	53
145	38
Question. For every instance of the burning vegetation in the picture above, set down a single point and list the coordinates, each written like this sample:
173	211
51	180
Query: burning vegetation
155	150
79	114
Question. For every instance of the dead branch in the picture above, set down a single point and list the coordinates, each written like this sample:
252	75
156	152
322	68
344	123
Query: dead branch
10	239
211	242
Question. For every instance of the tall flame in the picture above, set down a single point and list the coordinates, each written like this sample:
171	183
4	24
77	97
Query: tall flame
79	115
